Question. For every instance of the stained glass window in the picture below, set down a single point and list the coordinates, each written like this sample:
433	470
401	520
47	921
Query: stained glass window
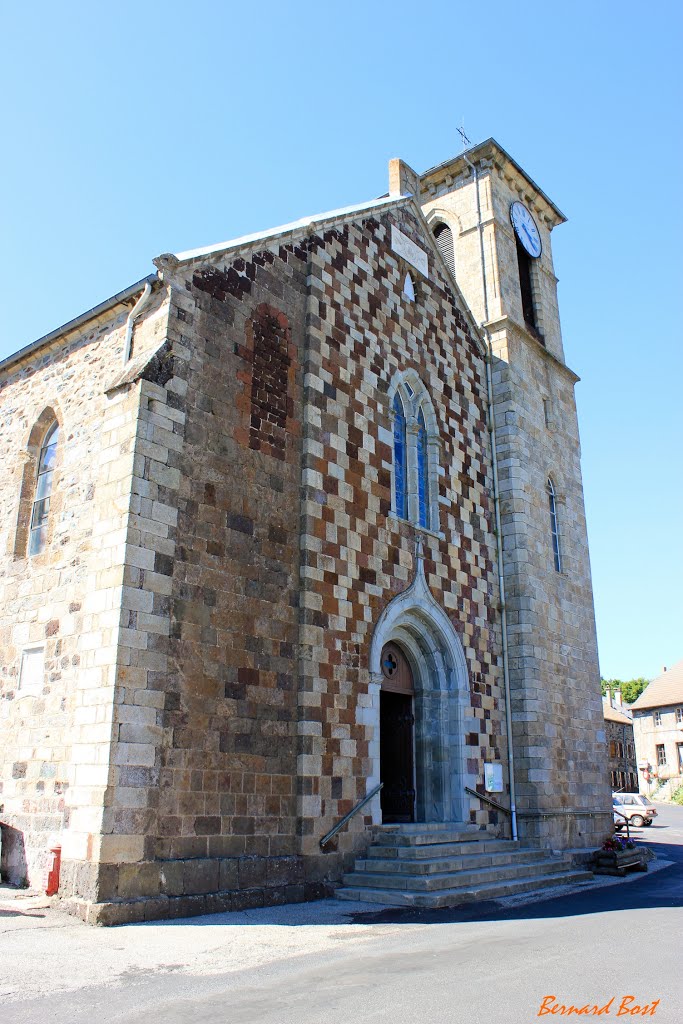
422	471
41	501
400	492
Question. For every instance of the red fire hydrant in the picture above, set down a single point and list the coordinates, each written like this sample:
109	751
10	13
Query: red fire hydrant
53	866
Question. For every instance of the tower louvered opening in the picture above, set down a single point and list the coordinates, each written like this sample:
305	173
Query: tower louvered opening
444	240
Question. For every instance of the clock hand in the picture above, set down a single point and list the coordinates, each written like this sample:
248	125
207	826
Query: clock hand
530	237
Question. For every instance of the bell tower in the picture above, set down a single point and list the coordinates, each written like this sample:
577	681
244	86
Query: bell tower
493	225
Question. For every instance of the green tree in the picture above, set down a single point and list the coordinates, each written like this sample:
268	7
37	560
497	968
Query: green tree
631	689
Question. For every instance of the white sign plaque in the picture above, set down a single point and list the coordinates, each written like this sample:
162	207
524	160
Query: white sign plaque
493	778
410	252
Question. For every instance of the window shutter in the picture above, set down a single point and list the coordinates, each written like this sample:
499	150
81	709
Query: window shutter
444	240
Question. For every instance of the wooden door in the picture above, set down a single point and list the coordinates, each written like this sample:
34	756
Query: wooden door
396	737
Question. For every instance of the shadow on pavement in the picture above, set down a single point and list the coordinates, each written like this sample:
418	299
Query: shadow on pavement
18	913
663	888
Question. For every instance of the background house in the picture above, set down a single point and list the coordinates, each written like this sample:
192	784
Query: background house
658	732
622	765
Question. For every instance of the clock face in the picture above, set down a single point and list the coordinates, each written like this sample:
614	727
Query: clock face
525	229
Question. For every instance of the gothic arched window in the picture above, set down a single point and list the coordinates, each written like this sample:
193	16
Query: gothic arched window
42	495
554	527
422	471
400	490
416	452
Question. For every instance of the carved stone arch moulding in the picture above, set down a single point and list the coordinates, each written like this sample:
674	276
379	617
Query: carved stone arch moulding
416	623
555	477
437	215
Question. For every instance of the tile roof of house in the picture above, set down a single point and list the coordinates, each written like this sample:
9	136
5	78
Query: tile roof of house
663	691
612	714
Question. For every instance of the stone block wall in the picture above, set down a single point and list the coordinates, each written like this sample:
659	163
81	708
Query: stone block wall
281	558
204	790
222	545
453	200
56	735
558	727
358	556
558	730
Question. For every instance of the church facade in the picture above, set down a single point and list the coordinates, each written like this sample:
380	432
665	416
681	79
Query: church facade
296	516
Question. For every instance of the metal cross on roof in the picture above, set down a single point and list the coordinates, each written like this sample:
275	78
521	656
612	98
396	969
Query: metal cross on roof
461	132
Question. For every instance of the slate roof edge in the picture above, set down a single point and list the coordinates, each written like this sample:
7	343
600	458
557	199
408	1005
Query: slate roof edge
295	227
83	318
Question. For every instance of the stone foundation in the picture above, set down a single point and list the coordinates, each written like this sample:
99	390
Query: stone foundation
565	830
162	908
155	890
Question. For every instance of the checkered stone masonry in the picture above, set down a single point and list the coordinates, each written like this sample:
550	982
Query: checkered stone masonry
287	551
259	551
355	556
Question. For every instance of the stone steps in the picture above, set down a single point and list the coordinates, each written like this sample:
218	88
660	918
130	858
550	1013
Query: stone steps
438	864
443	865
422	837
455	896
445	879
440	849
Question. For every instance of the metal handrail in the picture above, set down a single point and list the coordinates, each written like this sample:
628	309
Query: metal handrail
347	817
620	815
488	800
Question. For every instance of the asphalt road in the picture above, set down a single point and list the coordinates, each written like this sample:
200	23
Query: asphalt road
328	962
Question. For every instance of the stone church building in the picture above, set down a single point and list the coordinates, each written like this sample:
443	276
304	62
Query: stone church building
298	515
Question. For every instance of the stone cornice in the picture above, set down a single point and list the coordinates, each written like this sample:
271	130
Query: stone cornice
505	323
485	156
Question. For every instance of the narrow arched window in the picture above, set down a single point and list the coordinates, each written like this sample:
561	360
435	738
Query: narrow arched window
400	462
409	288
422	471
554	527
444	241
40	510
415	488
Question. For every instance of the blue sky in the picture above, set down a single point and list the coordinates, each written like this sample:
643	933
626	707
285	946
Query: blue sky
138	129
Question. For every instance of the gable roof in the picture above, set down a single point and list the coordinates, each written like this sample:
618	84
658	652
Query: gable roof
305	225
284	232
663	691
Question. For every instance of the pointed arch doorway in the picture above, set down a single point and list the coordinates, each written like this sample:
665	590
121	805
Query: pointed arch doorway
414	627
396	736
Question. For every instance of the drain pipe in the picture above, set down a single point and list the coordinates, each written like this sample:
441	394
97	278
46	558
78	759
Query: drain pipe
496	506
501	587
134	313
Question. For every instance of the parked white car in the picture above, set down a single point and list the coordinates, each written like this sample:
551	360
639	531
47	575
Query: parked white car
638	809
